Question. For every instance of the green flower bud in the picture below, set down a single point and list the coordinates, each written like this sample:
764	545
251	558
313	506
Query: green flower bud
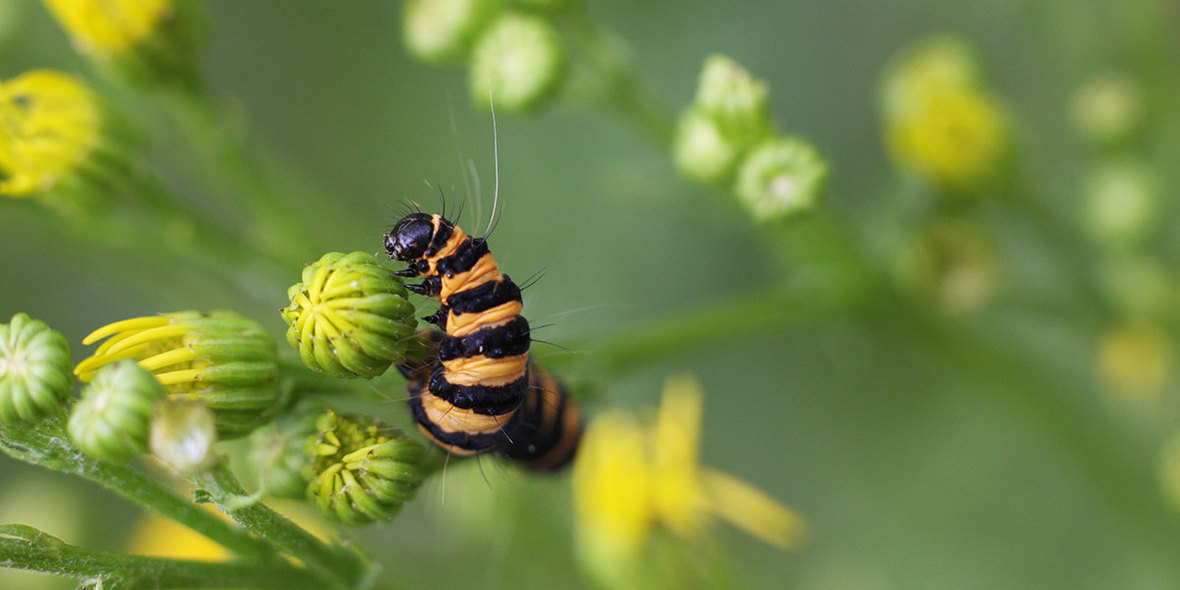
1122	202
220	358
781	178
34	369
1108	109
519	61
278	454
363	471
111	420
953	264
443	31
141	41
183	433
349	317
701	151
737	102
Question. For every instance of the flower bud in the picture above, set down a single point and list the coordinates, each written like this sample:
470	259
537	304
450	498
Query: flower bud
737	102
939	123
34	369
220	358
349	317
1108	109
1122	202
953	264
363	471
519	61
57	138
183	433
141	41
701	151
1134	361
111	420
780	178
278	454
442	31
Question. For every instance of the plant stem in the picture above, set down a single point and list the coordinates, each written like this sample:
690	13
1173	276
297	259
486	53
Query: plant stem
27	548
743	315
283	214
46	445
1120	470
342	564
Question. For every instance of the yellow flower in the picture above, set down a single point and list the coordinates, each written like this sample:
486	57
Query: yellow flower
631	478
220	358
103	28
50	123
939	122
156	536
1134	363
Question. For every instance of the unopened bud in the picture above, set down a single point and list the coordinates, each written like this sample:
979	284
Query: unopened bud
34	370
349	317
112	419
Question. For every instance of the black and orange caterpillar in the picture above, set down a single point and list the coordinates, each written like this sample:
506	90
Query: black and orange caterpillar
477	391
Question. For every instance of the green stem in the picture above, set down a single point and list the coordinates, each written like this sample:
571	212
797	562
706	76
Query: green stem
342	564
614	78
1119	469
45	444
283	214
27	548
741	316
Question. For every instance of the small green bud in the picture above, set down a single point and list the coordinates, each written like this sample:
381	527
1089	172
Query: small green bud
1122	202
363	471
953	264
279	456
519	61
1108	109
34	369
442	31
183	433
349	317
221	358
701	151
111	420
780	178
735	100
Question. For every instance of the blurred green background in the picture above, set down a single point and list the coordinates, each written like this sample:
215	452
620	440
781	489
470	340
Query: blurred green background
910	474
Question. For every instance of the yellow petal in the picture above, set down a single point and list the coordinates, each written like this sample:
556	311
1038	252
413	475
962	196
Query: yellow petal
679	499
751	510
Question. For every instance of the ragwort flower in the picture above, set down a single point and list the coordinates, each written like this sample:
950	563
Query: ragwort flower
219	358
631	478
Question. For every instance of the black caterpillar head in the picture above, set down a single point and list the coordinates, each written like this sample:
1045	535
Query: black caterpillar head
410	237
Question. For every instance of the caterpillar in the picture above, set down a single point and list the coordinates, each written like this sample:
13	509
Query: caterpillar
543	433
477	391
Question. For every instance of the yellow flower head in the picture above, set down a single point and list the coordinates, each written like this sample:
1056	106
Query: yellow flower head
939	122
103	28
220	358
631	477
50	123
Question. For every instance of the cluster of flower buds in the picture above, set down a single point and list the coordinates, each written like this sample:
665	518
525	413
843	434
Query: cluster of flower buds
221	359
364	471
514	56
143	42
59	141
725	137
940	123
349	317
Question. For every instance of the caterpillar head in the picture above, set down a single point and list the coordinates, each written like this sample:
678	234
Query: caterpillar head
410	237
